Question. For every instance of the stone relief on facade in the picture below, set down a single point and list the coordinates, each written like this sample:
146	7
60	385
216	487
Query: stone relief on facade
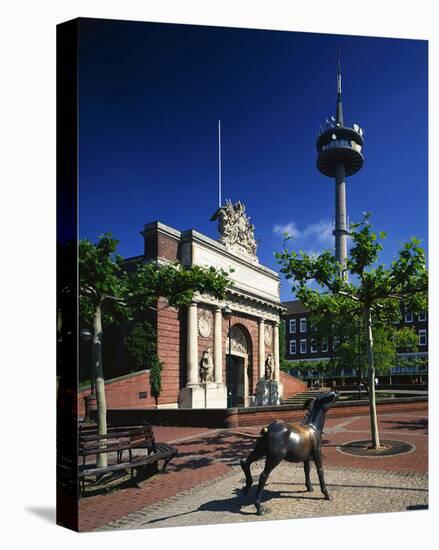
239	341
269	367
206	366
204	326
235	229
268	335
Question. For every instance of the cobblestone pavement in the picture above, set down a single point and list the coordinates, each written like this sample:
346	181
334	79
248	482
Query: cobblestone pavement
218	501
207	455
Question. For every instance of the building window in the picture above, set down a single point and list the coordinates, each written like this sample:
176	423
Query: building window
293	347
408	317
292	326
325	344
422	337
302	346
422	316
313	346
303	324
335	342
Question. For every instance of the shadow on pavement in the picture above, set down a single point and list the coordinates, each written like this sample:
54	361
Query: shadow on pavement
235	504
412	425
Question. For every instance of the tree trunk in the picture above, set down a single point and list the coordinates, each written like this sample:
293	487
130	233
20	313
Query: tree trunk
98	374
371	362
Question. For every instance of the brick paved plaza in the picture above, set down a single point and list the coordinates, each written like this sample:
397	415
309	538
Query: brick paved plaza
203	482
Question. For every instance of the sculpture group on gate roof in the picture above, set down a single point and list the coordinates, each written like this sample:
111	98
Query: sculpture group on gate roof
235	229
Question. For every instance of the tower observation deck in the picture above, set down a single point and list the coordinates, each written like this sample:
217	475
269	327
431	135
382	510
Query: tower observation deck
339	149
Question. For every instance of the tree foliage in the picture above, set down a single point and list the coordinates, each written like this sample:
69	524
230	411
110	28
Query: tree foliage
374	294
283	363
377	286
141	344
104	279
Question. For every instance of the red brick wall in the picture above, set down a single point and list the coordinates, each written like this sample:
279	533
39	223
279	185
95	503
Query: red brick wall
232	418
291	385
167	247
257	417
123	393
171	350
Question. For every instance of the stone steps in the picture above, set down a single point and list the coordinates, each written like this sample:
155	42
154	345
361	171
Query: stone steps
301	398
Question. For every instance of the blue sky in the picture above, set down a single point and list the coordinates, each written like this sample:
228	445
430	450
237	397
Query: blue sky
150	96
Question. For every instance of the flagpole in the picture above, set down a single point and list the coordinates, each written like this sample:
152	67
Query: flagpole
219	163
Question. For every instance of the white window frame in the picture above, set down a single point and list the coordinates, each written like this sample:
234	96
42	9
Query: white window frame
409	317
422	334
313	345
295	347
294	324
325	345
422	316
303	341
303	323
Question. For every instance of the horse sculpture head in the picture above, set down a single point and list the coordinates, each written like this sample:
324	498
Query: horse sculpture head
326	400
317	407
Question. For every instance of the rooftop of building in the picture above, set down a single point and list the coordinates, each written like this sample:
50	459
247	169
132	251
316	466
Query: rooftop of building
295	306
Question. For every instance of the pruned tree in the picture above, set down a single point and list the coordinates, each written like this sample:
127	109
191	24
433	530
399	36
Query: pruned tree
375	293
349	345
110	293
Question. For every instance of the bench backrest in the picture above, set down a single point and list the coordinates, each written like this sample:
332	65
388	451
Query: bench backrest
126	437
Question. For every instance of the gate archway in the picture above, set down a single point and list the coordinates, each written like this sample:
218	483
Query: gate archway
238	366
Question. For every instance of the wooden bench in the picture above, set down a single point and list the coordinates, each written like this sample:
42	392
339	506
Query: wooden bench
118	440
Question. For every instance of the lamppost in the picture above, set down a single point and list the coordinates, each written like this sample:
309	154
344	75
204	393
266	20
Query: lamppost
90	400
227	313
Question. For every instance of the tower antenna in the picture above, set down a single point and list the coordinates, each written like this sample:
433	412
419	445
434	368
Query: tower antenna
339	110
219	163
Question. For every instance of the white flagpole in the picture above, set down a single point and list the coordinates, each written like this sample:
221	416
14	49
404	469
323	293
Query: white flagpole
219	163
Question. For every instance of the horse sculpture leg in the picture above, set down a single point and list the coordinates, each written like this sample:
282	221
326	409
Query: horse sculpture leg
318	462
271	462
307	467
256	454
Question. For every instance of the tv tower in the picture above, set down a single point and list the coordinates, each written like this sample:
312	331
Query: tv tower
339	155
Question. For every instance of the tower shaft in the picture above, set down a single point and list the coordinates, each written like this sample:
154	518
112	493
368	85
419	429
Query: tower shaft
341	229
339	149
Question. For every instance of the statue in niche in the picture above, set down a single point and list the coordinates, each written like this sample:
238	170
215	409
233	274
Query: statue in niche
269	367
235	229
206	366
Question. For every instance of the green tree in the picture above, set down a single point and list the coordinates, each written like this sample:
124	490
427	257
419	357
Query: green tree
142	348
350	345
109	293
283	363
141	344
375	293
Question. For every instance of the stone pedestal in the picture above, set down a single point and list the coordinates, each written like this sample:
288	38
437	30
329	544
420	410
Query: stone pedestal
196	397
268	392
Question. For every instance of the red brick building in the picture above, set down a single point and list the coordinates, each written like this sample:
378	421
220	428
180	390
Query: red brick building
200	332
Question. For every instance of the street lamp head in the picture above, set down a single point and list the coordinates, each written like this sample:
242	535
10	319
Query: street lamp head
86	335
227	312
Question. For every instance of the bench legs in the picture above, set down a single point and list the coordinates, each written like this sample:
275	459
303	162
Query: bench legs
167	461
142	472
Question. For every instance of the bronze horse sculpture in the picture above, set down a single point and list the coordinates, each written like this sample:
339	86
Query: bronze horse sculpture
298	442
